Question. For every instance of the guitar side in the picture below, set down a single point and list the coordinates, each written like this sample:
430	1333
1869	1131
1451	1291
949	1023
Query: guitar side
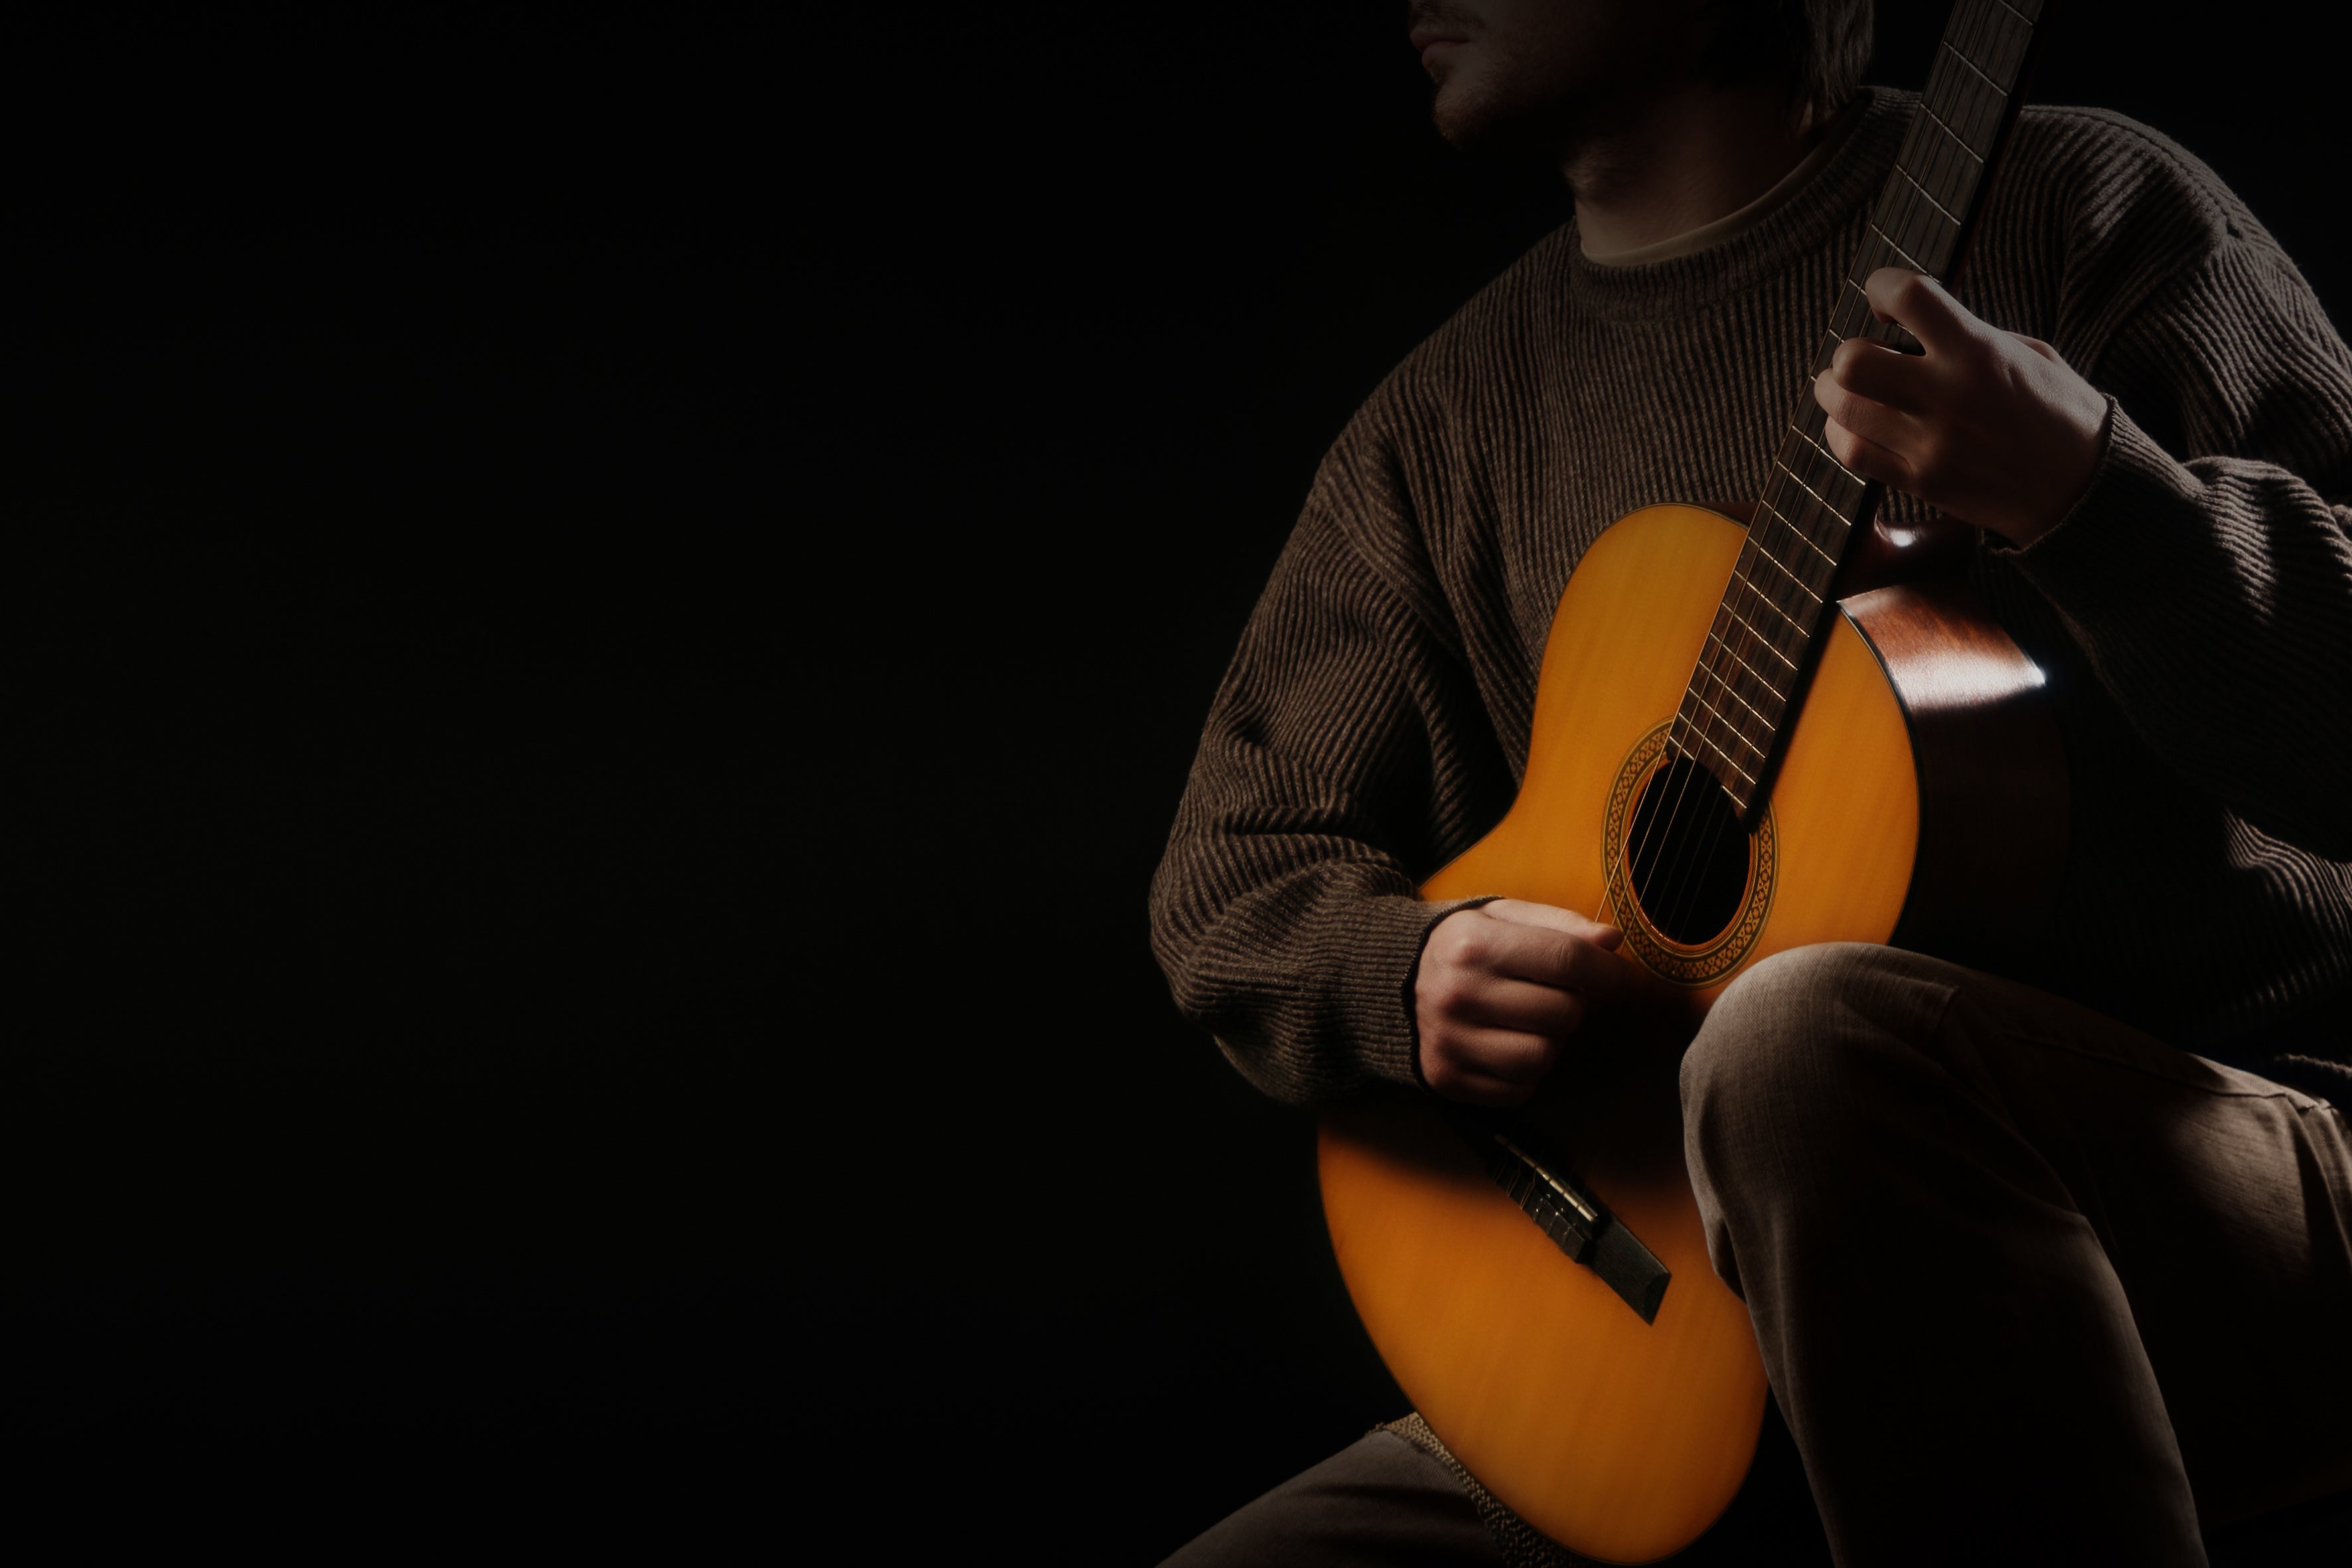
1620	1438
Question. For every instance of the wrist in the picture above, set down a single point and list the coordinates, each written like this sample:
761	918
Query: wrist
2070	498
1416	1046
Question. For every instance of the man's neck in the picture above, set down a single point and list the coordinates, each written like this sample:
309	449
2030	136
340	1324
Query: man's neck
1689	157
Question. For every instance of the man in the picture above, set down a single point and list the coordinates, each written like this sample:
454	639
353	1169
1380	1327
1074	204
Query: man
2031	1281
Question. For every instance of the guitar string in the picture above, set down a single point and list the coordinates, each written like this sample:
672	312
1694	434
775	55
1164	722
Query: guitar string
1674	888
1907	205
1899	211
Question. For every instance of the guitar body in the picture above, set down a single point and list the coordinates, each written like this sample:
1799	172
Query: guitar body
1920	798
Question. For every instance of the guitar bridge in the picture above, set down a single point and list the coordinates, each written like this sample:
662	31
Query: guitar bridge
1578	1223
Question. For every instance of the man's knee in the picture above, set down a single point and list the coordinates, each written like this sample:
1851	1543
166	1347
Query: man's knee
1764	1038
1788	1054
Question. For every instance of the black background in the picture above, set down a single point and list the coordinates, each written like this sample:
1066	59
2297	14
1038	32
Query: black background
609	610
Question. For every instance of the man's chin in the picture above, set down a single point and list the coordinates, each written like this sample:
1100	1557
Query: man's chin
1467	112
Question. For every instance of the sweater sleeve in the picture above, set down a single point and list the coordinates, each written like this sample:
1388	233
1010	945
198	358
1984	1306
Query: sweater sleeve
2212	591
1284	912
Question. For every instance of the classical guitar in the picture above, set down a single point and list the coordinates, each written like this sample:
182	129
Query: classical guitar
1835	765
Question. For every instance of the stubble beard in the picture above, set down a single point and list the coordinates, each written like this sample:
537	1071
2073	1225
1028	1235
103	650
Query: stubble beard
1546	89
1490	111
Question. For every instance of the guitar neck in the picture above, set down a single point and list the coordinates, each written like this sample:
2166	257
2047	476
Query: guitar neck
1745	693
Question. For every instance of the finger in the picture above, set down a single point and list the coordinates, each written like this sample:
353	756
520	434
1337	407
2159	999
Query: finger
1460	1069
1919	304
1505	1004
1506	1055
1550	957
1887	376
1549	917
1870	419
1868	457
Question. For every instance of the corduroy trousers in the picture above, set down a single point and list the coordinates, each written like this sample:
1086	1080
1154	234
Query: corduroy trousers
2031	1285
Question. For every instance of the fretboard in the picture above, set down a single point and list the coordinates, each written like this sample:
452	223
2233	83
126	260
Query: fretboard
1743	695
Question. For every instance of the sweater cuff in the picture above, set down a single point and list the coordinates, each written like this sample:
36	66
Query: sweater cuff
2136	486
1382	972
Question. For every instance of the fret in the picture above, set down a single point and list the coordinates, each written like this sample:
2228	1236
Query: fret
1699	728
1827	550
1774	606
1744	680
1812	513
1965	66
1811	417
1819	498
1973	69
1869	328
1761	641
1761	700
1994	48
1827	455
1861	300
1912	219
1782	568
1779	698
1943	162
1828	474
1825	503
1718	751
1768	721
1754	639
1908	259
1958	139
1801	516
1972	114
1978	118
1766	689
1913	216
1940	210
2021	16
1827	355
1975	38
1805	534
1826	558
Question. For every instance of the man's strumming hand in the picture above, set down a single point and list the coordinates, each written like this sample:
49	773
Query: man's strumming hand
1987	427
1500	987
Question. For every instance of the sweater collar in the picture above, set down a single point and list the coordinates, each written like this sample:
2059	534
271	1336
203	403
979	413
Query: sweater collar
1800	222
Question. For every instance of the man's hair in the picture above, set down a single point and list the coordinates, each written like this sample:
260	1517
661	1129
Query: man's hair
1820	46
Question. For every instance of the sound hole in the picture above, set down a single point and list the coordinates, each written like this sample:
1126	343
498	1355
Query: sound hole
1687	856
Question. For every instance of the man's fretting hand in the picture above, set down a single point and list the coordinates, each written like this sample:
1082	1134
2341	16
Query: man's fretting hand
1988	426
1499	988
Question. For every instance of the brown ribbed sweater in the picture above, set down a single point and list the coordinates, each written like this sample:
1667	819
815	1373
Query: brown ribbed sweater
2194	610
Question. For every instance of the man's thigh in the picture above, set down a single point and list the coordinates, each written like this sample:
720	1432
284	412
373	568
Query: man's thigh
1378	1502
2220	1199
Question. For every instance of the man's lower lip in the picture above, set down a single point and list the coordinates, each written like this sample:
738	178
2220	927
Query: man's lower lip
1436	47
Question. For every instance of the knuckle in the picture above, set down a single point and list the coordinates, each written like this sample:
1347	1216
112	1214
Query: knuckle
1444	995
